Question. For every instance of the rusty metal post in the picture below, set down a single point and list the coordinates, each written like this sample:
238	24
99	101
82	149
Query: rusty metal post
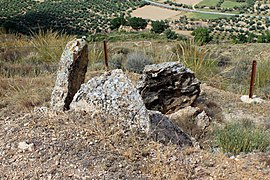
252	79
106	55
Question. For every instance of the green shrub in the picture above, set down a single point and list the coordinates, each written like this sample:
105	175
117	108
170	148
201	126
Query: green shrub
137	61
159	26
170	34
137	23
117	22
242	136
201	35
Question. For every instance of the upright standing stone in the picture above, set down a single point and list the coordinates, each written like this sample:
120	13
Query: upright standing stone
70	75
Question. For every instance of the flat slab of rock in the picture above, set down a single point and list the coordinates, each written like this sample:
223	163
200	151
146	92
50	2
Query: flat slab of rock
70	74
168	87
114	94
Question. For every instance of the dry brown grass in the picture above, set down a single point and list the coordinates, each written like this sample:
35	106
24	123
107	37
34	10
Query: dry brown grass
31	56
24	93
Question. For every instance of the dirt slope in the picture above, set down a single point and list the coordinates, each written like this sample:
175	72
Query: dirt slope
72	145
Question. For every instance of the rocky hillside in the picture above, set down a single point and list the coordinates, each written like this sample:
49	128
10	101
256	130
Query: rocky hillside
76	145
115	126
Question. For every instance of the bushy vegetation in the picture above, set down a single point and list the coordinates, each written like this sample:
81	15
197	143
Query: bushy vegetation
237	137
159	26
78	17
117	22
201	35
170	34
137	61
137	23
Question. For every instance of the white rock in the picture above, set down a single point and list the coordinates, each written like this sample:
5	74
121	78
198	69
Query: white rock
254	99
184	114
25	146
203	120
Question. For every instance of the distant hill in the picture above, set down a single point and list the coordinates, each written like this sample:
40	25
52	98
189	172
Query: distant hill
73	17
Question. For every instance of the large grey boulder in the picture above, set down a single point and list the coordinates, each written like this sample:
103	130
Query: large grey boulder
114	94
168	87
70	74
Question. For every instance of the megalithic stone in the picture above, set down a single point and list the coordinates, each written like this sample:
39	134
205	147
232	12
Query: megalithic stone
168	87
70	74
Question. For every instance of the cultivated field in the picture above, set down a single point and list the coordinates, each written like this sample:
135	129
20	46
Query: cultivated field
155	13
208	3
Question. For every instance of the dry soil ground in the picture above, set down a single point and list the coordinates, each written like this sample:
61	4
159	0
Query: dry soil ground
80	146
155	13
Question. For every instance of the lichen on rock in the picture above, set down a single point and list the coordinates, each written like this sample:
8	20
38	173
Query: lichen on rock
114	94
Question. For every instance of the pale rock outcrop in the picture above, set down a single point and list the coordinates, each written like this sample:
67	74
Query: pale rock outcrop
202	120
192	120
70	74
185	114
113	93
168	87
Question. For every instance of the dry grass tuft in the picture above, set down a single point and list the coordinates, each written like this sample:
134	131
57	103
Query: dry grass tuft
24	56
24	93
49	45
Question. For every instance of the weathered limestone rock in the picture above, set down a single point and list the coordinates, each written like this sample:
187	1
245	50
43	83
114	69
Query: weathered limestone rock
70	75
113	93
202	120
192	120
168	87
185	114
163	130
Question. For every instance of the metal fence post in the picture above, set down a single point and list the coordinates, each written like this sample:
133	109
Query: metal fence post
252	79
106	55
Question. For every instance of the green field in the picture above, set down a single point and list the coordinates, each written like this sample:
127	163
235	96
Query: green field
208	3
205	16
231	4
